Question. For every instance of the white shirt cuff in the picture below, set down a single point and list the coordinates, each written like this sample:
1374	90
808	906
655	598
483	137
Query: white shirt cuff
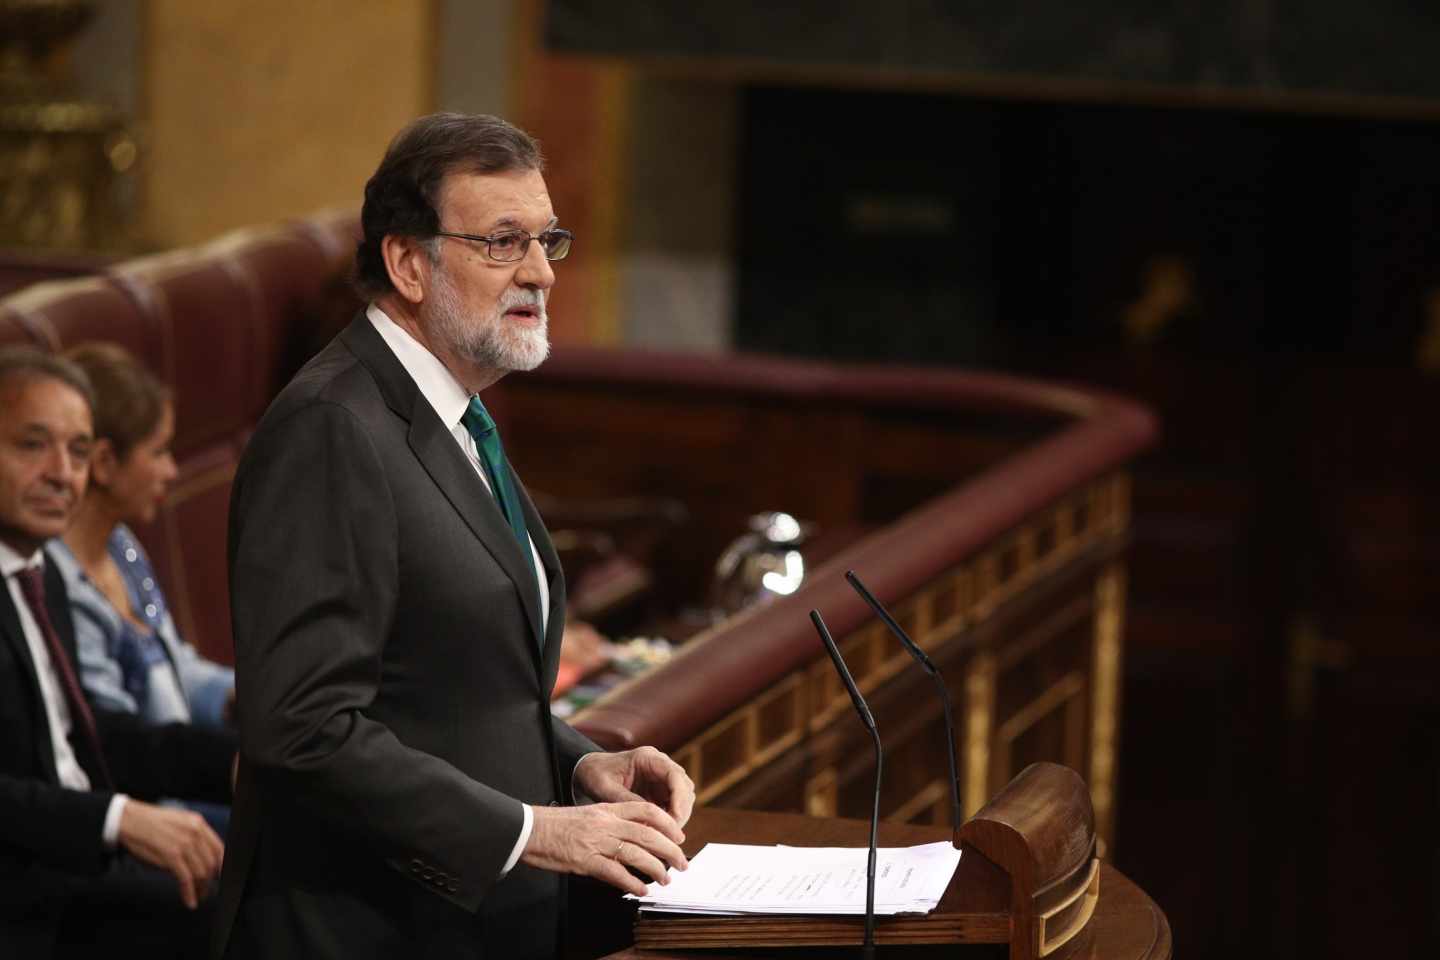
525	829
110	833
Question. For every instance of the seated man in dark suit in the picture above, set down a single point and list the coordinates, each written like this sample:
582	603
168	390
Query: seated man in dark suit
83	864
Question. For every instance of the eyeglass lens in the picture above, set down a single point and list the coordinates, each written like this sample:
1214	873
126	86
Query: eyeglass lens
512	246
556	244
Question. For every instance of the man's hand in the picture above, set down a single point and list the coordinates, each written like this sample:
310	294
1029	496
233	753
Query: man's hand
640	774
604	839
179	841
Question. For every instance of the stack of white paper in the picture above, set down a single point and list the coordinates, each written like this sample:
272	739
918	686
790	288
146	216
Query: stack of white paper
729	878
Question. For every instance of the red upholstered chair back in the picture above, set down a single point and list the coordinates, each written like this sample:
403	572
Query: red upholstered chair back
225	325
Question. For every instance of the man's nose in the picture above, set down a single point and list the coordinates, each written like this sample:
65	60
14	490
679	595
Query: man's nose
535	270
63	465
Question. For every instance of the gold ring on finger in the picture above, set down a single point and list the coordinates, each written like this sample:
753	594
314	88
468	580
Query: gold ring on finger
618	847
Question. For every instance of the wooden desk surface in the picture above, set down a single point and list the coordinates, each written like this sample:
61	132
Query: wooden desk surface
1127	924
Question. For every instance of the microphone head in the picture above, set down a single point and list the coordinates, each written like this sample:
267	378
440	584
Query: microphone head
911	647
861	707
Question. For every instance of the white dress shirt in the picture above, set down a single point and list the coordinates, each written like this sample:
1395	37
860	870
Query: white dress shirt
57	709
450	401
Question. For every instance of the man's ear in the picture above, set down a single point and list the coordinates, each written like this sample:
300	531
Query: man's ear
103	462
408	263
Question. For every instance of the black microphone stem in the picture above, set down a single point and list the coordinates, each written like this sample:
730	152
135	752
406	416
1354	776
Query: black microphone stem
929	667
867	950
950	746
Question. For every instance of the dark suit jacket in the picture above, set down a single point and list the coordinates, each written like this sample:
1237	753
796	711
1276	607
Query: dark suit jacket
392	698
50	837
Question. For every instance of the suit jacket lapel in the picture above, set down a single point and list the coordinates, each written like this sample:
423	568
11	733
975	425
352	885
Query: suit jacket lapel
57	603
39	721
440	455
435	448
554	578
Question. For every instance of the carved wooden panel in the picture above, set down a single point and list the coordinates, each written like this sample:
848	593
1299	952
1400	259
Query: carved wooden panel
1029	636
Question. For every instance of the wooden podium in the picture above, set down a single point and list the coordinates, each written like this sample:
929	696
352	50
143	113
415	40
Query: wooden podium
1029	885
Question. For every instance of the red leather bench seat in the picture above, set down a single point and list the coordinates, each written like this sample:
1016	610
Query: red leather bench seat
225	325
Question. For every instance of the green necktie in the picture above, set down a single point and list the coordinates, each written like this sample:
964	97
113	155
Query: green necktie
492	457
497	469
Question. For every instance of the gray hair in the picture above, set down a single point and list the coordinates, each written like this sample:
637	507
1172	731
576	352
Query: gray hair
26	363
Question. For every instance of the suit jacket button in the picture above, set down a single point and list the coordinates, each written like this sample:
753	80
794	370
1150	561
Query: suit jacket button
554	803
453	888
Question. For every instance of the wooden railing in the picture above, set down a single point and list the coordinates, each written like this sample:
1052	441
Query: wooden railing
996	512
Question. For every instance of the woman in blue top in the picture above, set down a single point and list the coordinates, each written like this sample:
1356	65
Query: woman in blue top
131	656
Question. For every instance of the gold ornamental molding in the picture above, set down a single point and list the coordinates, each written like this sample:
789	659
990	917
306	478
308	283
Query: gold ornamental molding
1066	694
979	714
63	159
822	793
931	804
1105	709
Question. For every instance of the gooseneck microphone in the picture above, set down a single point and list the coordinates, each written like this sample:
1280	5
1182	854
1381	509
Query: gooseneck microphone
868	949
929	667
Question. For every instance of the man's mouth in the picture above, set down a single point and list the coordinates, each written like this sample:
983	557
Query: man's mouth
50	506
526	313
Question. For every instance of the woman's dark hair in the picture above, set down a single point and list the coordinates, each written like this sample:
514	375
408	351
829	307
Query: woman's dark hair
129	399
401	195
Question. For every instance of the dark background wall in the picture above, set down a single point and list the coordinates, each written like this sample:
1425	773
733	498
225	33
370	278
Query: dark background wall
943	228
1288	45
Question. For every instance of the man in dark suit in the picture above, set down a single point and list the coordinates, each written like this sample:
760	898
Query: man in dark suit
84	865
398	607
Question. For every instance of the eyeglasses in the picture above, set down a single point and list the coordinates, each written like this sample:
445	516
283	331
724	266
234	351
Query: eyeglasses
508	246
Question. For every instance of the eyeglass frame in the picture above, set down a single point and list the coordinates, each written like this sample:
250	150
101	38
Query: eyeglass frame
550	228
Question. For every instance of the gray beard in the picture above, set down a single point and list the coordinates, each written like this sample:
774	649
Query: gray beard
487	342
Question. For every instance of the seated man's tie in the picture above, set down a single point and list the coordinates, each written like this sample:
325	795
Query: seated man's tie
32	588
